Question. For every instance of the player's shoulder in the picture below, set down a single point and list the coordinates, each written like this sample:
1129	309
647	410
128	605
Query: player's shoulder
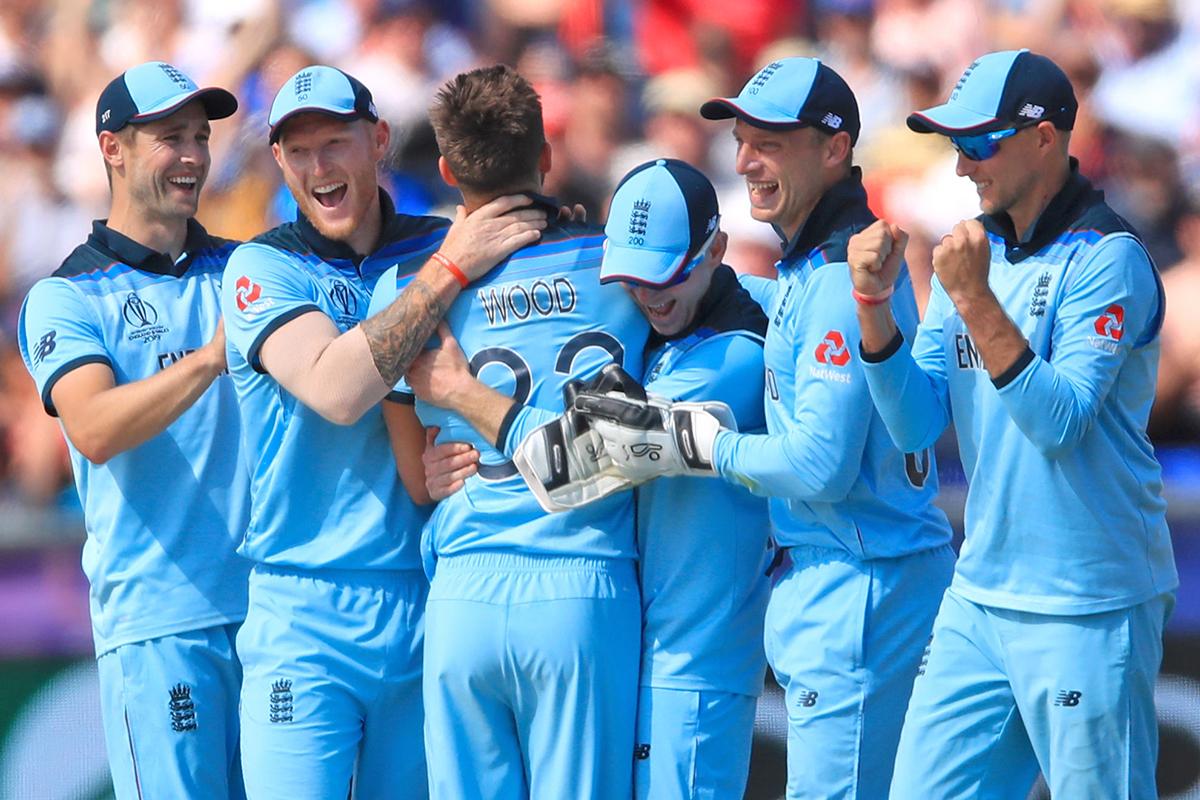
86	261
285	238
566	237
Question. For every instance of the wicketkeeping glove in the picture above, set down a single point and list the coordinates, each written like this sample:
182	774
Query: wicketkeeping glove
649	436
564	462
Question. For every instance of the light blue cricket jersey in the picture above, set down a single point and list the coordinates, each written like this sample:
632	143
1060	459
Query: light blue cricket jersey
164	518
1064	509
323	495
834	476
537	320
705	544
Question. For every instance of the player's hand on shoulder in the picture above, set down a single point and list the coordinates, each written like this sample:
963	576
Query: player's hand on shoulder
875	255
961	260
448	465
478	241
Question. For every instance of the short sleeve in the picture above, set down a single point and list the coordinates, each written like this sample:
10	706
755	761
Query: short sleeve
58	331
263	289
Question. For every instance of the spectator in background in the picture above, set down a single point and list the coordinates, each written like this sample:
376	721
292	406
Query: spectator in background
1176	415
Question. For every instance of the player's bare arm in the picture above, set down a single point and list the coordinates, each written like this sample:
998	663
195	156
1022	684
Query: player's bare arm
103	419
442	377
408	439
961	262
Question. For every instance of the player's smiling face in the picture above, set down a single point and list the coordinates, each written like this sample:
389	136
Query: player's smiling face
672	309
167	163
1009	177
330	166
783	172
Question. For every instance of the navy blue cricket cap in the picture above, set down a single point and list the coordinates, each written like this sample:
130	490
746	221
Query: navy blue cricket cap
662	216
792	93
1011	88
324	90
152	91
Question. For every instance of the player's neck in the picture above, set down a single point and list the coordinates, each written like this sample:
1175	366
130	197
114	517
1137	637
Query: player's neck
473	200
162	234
1027	210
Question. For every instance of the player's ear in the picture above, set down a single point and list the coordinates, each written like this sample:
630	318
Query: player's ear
837	148
719	245
544	160
444	171
111	148
383	138
277	151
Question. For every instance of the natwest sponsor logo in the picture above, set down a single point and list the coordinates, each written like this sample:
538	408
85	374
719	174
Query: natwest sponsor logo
832	350
1111	323
246	292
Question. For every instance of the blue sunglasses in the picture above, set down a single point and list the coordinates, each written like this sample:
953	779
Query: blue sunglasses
982	146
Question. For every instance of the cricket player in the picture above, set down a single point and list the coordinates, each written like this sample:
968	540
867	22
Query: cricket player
126	346
332	642
532	636
703	548
1041	344
864	554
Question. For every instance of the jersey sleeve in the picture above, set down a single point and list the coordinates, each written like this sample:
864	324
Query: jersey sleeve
819	456
762	290
910	387
727	368
57	332
263	289
1113	304
384	293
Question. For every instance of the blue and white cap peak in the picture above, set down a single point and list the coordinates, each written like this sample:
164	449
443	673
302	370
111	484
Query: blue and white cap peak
325	90
1010	88
792	93
662	216
152	91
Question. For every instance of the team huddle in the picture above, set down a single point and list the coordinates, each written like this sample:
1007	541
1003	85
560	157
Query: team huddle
516	506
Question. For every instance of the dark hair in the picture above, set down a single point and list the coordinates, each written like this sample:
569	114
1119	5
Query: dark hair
488	124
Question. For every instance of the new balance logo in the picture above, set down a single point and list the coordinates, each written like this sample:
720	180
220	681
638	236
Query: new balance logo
183	710
807	698
281	701
641	752
44	347
831	120
1067	699
1031	111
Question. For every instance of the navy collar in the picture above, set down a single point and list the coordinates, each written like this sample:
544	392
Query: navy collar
1064	208
724	290
844	204
120	247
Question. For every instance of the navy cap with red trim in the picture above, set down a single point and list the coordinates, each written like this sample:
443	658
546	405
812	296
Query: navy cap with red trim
1007	89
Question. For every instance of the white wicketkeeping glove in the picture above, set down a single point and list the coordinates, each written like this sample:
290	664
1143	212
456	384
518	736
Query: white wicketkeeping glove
650	437
564	462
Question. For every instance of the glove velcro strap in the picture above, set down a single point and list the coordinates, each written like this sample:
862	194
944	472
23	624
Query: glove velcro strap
685	441
630	414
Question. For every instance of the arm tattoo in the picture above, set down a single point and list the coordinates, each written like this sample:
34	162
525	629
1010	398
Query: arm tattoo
397	334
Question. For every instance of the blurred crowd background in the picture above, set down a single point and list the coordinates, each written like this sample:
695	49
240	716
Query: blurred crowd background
621	82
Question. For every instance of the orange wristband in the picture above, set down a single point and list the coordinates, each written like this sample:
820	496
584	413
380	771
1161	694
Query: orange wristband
452	268
877	299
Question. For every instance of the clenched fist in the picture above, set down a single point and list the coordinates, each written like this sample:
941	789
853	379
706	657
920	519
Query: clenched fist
961	261
875	255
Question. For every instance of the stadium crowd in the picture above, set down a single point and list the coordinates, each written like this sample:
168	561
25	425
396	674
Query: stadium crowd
620	81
